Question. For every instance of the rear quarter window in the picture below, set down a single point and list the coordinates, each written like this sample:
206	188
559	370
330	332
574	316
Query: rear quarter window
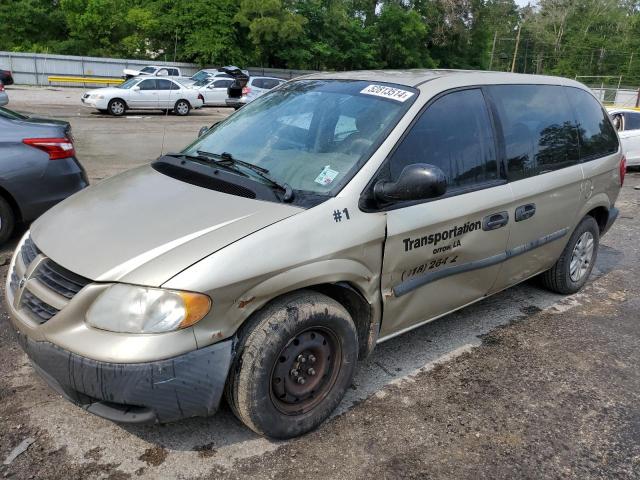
597	136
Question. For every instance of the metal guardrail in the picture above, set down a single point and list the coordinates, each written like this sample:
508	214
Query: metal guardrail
85	80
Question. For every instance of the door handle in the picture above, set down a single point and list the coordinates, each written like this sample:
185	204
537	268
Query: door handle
525	211
495	220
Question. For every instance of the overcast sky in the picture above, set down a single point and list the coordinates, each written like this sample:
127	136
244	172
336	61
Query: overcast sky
522	3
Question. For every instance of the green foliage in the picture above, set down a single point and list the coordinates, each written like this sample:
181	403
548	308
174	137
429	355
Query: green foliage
560	37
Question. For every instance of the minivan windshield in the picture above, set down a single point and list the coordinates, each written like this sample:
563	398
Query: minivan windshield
311	135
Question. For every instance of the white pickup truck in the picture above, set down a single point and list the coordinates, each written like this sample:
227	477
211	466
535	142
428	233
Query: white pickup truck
153	70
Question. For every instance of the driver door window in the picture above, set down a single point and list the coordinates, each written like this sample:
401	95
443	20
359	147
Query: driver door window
454	134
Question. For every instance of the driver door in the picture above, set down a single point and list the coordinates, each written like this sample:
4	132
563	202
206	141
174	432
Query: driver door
146	96
445	253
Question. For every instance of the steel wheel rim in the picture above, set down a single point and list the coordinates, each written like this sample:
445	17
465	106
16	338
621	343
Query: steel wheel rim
314	355
117	108
581	257
182	108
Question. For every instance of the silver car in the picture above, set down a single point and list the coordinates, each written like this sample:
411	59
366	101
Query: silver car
254	88
329	215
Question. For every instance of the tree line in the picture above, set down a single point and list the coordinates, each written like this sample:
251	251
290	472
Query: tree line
560	37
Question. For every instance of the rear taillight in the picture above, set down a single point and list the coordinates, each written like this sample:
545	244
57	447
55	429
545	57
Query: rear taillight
623	169
57	148
246	91
1	87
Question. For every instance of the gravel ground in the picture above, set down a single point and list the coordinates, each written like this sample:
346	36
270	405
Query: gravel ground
525	384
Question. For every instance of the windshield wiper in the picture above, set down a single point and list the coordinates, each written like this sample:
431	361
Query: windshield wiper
209	160
226	158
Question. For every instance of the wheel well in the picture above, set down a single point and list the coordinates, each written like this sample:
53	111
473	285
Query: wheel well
14	205
118	98
601	216
357	306
182	100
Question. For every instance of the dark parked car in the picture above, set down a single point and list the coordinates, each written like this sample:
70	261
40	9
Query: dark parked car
38	167
6	77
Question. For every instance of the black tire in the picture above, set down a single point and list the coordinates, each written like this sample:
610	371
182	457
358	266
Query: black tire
182	108
7	220
298	331
117	107
560	278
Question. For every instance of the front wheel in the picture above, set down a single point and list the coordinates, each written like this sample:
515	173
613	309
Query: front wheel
571	271
117	107
182	108
296	358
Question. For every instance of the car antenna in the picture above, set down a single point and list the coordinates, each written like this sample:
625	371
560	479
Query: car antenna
166	111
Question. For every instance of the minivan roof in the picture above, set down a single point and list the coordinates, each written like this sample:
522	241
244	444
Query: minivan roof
415	77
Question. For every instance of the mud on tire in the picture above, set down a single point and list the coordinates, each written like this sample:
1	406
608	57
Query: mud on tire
296	358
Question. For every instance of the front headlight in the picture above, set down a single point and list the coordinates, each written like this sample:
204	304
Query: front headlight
132	309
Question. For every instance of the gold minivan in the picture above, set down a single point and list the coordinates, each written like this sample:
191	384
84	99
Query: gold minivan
333	213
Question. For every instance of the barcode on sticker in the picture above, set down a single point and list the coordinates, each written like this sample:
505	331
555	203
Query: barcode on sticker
388	92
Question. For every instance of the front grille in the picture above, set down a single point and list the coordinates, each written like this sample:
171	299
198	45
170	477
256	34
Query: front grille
51	275
59	279
39	310
29	251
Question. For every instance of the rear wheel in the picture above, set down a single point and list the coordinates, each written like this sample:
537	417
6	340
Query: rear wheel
117	107
182	108
7	220
295	361
572	270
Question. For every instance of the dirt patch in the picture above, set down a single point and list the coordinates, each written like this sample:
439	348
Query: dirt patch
154	456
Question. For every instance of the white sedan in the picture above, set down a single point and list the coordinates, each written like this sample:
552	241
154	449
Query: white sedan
144	93
214	90
627	122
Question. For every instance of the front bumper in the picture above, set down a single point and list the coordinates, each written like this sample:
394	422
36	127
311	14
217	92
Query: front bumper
155	392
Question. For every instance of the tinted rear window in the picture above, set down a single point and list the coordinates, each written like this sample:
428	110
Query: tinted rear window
632	121
538	129
597	136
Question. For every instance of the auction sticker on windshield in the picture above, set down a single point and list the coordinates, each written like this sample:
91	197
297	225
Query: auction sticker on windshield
387	92
327	175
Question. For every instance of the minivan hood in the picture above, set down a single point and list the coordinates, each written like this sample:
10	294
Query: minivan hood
144	227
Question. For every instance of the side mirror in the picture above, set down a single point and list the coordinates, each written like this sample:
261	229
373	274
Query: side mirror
418	181
136	88
205	129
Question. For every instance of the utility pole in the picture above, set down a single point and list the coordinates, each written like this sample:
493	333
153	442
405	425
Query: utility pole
493	49
630	60
515	52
